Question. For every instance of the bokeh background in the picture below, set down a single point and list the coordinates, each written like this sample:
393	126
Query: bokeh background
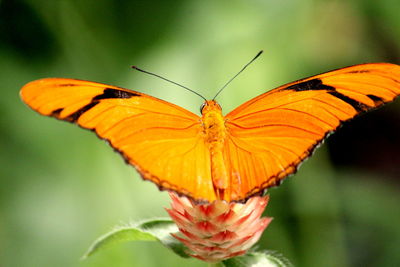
61	187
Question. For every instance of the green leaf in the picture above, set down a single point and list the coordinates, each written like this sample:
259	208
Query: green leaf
258	259
151	230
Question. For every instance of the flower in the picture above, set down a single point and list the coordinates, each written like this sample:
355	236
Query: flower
218	230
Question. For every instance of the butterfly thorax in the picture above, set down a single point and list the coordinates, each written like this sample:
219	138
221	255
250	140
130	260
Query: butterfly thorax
213	122
214	131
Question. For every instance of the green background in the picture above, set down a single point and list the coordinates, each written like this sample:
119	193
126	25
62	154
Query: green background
61	187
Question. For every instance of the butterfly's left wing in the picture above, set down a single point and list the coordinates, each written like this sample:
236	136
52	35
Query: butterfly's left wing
162	141
270	135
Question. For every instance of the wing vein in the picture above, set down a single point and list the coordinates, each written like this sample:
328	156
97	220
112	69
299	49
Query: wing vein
271	125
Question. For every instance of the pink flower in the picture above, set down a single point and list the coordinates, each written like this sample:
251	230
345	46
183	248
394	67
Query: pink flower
220	230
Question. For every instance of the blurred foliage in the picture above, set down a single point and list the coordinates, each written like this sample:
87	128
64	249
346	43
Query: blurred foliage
159	229
60	187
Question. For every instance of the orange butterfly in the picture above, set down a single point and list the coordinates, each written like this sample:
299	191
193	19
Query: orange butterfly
213	156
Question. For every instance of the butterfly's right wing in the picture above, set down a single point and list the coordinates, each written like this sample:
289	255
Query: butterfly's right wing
270	135
162	141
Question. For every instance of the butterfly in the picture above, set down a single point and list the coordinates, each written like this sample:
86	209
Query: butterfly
214	156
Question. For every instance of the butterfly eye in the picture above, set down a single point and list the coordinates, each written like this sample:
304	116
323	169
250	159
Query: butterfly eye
201	107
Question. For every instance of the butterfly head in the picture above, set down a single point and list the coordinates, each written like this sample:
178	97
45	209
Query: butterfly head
209	105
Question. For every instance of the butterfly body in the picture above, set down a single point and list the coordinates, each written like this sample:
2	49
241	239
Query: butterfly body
215	156
215	131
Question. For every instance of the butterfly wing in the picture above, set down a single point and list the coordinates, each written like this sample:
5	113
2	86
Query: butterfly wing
270	135
161	140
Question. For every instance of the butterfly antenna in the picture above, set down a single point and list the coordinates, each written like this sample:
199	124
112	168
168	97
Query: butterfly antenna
245	66
165	79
